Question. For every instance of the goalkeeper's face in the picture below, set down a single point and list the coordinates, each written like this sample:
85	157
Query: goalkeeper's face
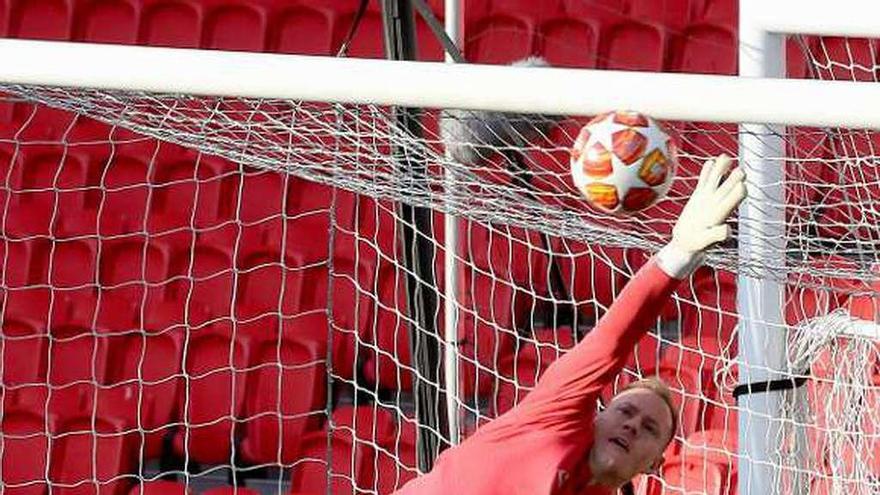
630	436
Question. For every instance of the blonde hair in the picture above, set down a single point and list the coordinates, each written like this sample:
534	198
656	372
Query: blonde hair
660	388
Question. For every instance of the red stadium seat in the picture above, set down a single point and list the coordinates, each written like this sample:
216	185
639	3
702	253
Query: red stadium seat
142	385
40	19
634	46
707	49
88	457
725	12
125	193
170	24
592	274
160	487
672	14
716	312
499	39
191	189
491	313
846	59
716	448
388	360
211	399
521	370
230	490
353	451
302	30
395	470
25	452
108	23
569	42
207	286
688	477
22	338
234	27
286	395
31	194
262	277
368	41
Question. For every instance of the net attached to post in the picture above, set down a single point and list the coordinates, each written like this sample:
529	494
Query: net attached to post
265	297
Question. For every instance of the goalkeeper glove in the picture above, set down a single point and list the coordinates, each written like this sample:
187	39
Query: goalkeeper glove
701	223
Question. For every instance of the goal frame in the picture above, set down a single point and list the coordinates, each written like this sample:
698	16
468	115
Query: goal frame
763	27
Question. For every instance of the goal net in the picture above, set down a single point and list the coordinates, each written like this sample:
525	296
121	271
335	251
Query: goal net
205	291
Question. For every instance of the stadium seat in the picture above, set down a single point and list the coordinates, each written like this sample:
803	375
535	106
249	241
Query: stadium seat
125	193
160	487
368	41
31	195
672	14
569	42
798	63
107	23
22	338
191	189
388	359
715	312
520	370
308	210
142	385
634	46
210	401
230	490
265	285
286	395
207	284
25	451
688	477
717	448
234	27
132	272
592	274
499	39
725	12
846	59
492	313
170	24
395	470
302	30
88	456
262	196
353	457
707	49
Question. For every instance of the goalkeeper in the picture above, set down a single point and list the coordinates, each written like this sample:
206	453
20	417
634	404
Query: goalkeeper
554	442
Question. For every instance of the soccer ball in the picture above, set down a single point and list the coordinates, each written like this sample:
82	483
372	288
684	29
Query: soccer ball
623	162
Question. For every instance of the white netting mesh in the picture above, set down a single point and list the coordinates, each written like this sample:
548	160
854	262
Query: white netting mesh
265	332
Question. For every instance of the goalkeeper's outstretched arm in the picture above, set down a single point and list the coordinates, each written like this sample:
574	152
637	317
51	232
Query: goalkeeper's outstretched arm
554	442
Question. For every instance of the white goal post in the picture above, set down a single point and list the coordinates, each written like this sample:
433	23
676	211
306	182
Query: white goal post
759	99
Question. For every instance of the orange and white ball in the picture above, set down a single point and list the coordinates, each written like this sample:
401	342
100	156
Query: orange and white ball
623	162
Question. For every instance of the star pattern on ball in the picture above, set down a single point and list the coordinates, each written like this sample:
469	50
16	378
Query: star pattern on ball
603	131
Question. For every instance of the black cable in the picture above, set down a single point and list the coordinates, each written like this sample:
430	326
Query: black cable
769	386
438	30
355	23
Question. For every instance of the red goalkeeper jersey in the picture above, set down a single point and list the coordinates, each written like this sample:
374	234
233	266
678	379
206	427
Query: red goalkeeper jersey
540	447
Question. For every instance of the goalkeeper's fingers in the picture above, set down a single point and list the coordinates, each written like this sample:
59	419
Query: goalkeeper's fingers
717	168
729	195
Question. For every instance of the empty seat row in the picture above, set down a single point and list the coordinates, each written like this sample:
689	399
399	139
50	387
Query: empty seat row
85	454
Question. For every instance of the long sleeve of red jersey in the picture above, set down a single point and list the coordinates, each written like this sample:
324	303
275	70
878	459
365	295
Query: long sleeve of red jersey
527	449
571	385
